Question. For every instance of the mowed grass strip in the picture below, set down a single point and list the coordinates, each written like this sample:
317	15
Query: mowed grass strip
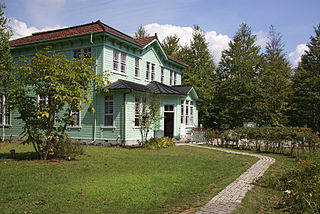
115	180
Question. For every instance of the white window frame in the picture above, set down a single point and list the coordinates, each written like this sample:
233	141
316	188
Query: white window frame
175	78
187	117
105	114
79	119
150	71
142	100
162	75
4	121
171	77
137	69
120	59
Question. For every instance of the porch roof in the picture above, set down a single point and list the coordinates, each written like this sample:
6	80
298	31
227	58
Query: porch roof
152	87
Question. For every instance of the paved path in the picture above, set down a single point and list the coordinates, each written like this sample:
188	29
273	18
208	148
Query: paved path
230	197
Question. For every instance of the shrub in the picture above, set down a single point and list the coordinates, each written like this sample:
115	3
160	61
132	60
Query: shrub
159	142
301	186
67	149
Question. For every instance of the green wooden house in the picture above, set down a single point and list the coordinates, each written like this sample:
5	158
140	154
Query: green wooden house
136	67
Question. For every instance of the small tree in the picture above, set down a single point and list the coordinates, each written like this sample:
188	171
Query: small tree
171	45
6	64
48	88
149	115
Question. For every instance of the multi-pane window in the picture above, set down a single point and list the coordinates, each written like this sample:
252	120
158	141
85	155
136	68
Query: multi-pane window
153	71
119	61
171	77
137	67
150	71
4	111
139	109
85	52
182	112
162	75
108	111
187	114
175	78
76	118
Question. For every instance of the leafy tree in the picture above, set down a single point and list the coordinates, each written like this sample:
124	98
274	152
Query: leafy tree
141	33
171	46
200	73
148	115
306	85
6	77
276	83
239	80
48	88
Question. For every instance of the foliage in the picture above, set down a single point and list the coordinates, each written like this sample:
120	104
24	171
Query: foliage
276	83
159	142
306	81
6	64
284	140
48	88
200	73
239	81
67	149
116	180
149	116
141	33
301	186
171	46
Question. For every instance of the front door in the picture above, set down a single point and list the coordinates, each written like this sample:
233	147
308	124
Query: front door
169	121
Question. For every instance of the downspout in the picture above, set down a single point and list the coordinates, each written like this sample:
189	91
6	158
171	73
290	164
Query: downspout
124	118
94	94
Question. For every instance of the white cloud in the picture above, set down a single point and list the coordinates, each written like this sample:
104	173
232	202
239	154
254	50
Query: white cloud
295	56
262	39
20	29
216	42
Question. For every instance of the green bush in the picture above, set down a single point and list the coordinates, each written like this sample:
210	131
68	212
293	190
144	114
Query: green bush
67	149
301	186
159	142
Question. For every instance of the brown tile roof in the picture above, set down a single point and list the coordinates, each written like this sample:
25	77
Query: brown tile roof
97	26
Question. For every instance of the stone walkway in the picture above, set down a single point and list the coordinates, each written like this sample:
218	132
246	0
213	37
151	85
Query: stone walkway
230	197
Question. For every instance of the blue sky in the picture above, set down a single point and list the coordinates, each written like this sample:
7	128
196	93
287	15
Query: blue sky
219	19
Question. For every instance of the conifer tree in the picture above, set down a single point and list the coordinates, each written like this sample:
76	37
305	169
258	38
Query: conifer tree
141	33
276	84
200	73
239	76
306	85
171	46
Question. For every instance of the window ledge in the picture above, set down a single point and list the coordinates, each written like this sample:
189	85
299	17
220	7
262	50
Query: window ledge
120	73
138	78
108	127
74	127
1	125
136	127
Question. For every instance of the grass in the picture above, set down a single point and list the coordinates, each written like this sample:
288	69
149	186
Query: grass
115	180
263	198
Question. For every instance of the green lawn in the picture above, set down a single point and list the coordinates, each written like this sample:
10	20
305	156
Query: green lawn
116	180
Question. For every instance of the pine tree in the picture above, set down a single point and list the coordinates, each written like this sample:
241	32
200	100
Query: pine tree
141	33
171	46
200	73
239	80
306	85
276	84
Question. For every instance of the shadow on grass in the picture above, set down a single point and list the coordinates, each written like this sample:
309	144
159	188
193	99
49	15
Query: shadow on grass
20	156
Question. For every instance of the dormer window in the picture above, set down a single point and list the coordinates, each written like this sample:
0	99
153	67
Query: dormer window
119	61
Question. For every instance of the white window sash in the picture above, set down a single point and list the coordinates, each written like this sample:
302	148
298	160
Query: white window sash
107	102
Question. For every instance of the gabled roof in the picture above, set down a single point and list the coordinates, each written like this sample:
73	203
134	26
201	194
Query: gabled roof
184	89
152	87
93	27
